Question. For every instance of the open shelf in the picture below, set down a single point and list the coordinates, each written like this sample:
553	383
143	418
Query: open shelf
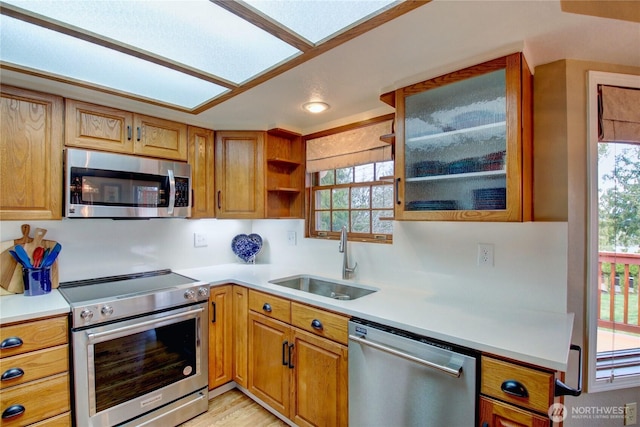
284	162
284	190
284	155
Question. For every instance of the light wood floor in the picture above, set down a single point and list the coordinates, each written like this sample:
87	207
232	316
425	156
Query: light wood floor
235	409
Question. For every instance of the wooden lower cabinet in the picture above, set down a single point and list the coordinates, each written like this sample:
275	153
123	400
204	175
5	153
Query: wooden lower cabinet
497	414
299	373
515	394
35	387
240	334
320	379
269	371
220	335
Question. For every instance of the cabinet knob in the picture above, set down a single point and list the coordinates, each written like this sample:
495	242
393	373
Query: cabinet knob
11	374
316	324
267	307
11	342
12	411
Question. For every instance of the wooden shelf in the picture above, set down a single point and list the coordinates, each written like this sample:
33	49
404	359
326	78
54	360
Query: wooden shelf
389	138
284	190
278	161
389	98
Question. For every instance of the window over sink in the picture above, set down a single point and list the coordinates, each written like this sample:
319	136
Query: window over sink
351	182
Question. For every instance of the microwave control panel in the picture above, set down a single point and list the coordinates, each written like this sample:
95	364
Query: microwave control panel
182	192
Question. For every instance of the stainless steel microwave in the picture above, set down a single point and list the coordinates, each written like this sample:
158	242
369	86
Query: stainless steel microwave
107	185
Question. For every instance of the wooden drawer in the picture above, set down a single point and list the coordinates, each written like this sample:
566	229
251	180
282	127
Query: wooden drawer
35	335
34	365
41	399
62	420
320	322
270	305
538	383
498	414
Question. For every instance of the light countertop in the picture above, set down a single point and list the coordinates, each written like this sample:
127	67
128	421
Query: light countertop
537	337
18	307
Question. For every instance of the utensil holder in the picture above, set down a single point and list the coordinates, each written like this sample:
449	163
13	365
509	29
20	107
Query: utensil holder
37	281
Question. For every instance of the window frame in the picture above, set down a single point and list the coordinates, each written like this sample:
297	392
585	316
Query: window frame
594	79
351	235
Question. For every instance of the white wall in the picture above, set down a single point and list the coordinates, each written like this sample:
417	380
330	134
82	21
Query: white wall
529	271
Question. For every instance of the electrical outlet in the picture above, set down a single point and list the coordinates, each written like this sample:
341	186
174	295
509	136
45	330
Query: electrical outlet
485	254
631	414
199	240
291	238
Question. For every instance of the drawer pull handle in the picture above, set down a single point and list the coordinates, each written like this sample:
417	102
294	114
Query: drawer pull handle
267	307
11	342
11	373
561	389
12	411
316	324
514	388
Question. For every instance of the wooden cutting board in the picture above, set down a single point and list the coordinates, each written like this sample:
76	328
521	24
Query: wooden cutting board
11	274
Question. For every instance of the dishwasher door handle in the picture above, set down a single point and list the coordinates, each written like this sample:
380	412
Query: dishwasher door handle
447	370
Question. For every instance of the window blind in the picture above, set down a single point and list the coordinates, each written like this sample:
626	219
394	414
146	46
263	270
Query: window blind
619	114
349	148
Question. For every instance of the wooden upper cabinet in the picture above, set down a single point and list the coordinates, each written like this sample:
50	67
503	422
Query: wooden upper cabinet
108	129
239	171
97	127
160	138
201	159
31	161
464	144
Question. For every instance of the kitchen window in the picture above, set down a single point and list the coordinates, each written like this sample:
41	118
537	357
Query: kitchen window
359	197
351	181
614	233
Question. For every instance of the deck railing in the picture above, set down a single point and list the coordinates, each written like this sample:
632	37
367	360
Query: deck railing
619	292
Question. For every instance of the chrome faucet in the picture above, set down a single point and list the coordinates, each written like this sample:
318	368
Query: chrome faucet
346	270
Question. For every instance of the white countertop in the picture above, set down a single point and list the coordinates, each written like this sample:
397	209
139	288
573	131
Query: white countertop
18	307
536	337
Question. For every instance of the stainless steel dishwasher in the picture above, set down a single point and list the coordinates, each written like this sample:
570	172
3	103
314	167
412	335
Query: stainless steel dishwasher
401	379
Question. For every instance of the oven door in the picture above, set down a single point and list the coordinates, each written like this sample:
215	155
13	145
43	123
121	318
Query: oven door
125	369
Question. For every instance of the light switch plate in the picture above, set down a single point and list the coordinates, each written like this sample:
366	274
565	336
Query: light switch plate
199	240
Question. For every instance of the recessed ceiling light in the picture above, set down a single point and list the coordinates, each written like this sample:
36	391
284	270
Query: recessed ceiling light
315	107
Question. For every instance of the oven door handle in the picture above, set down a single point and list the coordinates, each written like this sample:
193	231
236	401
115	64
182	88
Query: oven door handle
98	335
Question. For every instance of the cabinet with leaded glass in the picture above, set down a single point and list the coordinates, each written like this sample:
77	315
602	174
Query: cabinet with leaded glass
464	144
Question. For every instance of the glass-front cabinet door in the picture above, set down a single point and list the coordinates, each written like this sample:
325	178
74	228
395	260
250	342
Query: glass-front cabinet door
463	145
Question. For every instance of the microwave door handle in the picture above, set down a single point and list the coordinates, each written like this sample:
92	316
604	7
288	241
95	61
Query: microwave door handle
172	191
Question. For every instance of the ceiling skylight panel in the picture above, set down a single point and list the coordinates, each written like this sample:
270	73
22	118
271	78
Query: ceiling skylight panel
196	33
54	53
316	20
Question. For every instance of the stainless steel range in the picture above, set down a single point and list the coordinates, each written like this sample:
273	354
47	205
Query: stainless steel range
140	349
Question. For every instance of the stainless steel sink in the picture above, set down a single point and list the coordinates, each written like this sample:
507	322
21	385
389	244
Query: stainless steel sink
325	287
